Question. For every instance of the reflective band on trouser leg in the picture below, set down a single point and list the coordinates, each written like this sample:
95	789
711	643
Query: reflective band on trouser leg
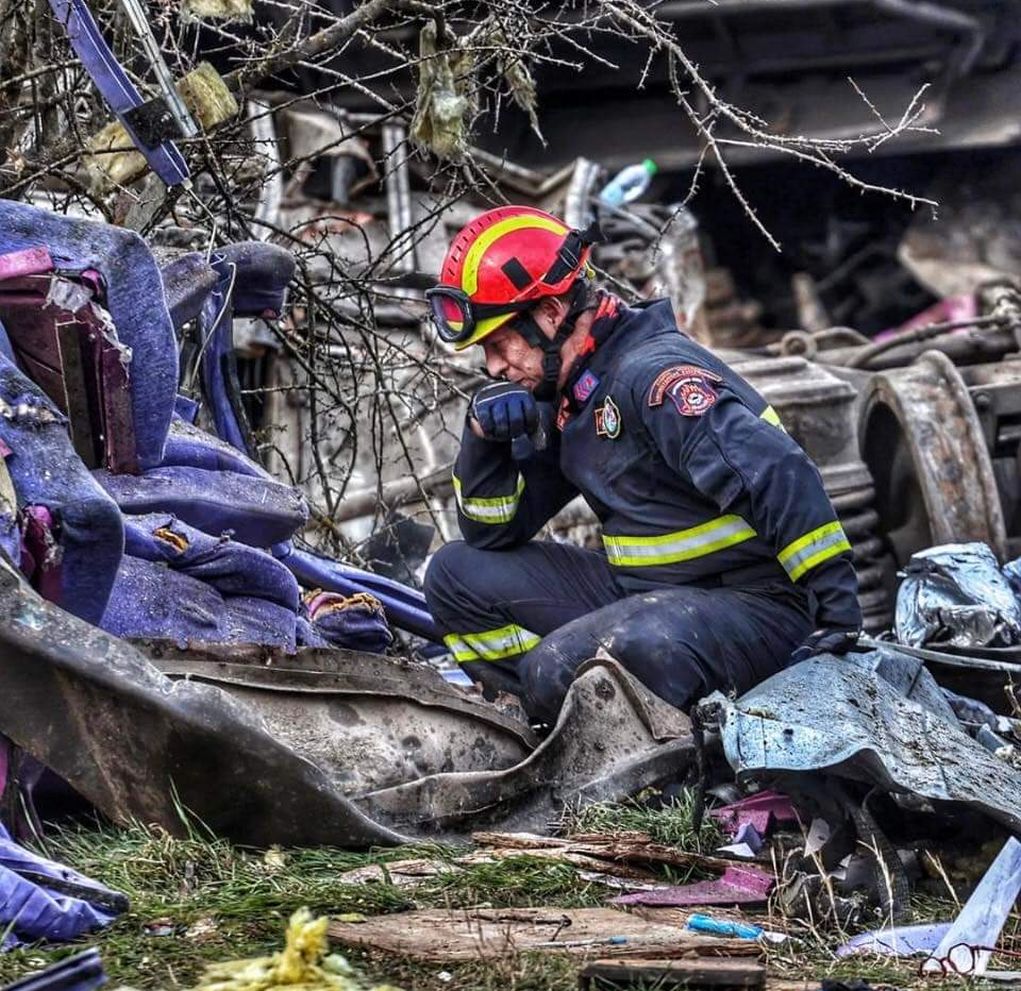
813	549
493	645
492	509
683	545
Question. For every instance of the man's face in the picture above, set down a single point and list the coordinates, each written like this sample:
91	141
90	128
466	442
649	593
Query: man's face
510	357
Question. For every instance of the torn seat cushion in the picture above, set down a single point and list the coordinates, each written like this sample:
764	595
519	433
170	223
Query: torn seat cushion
187	280
229	567
256	511
190	446
262	273
36	900
46	471
133	295
356	622
151	600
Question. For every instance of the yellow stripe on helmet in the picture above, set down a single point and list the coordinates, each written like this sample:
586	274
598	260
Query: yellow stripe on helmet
472	261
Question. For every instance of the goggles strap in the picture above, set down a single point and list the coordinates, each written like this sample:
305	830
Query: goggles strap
527	327
580	301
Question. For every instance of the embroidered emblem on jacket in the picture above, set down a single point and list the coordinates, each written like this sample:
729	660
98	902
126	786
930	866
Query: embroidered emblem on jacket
608	419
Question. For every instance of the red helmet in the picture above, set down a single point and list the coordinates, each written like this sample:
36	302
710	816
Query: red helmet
500	264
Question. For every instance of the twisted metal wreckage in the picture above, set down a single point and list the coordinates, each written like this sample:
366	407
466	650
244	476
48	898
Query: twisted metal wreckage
155	664
232	699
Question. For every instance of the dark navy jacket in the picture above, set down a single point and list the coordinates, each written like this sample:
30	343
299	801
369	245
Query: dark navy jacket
688	470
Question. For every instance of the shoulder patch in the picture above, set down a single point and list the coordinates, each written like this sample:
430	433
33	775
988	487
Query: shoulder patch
691	389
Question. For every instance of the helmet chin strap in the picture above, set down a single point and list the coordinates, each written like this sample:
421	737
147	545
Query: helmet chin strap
552	362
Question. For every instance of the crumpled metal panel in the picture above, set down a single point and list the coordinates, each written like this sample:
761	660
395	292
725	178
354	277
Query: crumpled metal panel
368	721
956	594
877	717
613	737
141	746
138	746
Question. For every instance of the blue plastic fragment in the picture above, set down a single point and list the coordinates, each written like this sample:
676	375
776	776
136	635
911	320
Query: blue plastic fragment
82	972
41	899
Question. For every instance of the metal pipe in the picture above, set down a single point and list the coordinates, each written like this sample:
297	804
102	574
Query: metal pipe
139	19
684	9
267	206
921	11
437	482
398	198
962	348
864	357
940	16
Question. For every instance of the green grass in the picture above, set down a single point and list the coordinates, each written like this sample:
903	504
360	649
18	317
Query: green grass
199	900
514	883
672	824
217	902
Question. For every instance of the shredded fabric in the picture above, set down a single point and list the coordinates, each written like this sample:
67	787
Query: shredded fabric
519	78
445	100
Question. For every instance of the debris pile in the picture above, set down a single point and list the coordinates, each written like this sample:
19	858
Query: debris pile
189	420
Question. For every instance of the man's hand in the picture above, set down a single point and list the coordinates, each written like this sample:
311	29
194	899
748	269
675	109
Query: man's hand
828	641
504	411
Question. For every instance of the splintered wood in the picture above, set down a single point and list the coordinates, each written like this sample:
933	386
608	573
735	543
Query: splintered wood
438	935
668	975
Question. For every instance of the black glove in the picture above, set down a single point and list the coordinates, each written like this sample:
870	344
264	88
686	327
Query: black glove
504	411
826	641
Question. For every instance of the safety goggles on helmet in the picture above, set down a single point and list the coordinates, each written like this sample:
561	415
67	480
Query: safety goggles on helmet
456	316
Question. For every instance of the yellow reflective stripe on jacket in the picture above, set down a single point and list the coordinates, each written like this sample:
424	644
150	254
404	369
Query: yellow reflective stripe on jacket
770	415
813	549
682	545
493	645
491	509
473	260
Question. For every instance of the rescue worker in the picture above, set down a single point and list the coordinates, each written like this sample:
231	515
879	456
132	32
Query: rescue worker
721	551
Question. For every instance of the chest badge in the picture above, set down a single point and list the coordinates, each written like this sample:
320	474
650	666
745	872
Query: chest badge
585	386
608	419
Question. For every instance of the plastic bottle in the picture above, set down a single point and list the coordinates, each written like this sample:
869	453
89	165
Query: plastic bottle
628	184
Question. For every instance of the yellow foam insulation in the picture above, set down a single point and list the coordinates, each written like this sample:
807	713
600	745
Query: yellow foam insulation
303	965
113	159
217	10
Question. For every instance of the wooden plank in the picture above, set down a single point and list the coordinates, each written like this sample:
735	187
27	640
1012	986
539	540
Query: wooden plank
664	975
442	935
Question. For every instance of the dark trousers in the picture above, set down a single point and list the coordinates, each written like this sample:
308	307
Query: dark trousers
523	620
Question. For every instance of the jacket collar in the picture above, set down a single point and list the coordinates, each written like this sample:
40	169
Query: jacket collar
614	326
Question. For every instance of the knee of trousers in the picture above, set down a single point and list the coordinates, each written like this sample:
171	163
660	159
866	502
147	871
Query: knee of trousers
453	583
546	675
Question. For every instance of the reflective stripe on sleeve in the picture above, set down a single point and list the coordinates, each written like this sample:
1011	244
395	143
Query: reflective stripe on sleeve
770	415
491	509
813	549
493	645
682	545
